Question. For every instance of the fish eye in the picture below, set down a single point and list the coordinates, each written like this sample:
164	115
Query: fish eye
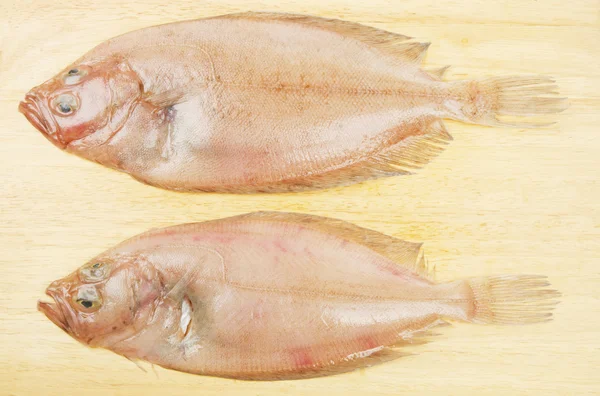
75	75
87	299
64	108
65	104
94	272
85	303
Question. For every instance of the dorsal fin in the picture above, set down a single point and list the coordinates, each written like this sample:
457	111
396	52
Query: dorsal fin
406	254
438	74
393	44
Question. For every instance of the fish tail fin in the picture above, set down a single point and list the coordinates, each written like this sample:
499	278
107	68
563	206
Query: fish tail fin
514	101
517	299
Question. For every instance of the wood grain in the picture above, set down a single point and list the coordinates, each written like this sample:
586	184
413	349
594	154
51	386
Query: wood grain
496	201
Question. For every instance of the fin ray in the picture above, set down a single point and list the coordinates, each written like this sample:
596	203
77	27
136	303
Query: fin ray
512	299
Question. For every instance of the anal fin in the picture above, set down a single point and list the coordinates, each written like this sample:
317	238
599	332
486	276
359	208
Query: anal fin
404	346
416	151
408	154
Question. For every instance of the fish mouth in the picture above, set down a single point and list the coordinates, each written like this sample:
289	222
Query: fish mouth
34	113
54	311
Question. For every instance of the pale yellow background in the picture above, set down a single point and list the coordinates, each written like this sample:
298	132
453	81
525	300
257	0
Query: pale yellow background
496	201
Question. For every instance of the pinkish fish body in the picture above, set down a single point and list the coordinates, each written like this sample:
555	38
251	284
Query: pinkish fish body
273	296
266	102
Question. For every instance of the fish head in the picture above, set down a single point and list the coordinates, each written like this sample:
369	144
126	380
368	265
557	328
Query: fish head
83	100
105	301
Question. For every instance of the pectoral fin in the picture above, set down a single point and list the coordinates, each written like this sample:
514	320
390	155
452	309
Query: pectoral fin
168	98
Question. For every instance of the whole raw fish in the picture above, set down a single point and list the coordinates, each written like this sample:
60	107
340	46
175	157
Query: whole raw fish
266	102
274	296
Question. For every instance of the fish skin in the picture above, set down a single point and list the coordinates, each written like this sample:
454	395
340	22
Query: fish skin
262	102
268	296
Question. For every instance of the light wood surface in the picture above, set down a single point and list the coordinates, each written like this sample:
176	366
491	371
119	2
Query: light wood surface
496	201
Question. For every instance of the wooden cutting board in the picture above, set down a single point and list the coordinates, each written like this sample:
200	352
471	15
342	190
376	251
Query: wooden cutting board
496	201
